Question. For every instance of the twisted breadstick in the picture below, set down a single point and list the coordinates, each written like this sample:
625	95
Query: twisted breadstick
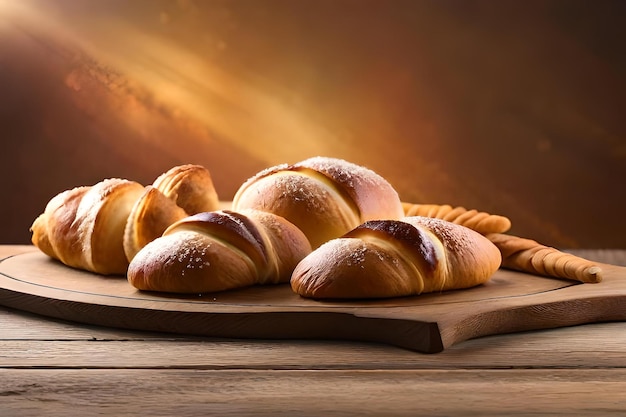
527	255
476	220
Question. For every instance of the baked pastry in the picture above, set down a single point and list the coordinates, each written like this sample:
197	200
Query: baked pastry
527	255
394	258
177	193
324	197
151	214
190	187
217	251
84	227
479	221
100	228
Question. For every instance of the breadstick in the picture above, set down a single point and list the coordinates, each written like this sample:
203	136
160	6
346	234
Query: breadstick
478	221
527	255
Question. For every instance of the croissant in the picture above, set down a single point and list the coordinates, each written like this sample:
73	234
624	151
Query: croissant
84	227
393	258
177	193
100	228
324	197
151	214
190	187
527	255
479	221
217	251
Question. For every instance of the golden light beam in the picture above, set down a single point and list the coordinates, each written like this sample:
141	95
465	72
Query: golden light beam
239	107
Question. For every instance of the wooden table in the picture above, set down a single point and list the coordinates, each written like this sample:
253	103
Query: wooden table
58	368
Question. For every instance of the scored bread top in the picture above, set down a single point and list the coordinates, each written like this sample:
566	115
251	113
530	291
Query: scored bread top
393	258
373	195
324	197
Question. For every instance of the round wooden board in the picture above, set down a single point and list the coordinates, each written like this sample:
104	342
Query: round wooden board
510	302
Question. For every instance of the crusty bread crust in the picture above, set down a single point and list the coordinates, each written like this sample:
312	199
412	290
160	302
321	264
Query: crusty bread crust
324	197
393	258
217	251
84	227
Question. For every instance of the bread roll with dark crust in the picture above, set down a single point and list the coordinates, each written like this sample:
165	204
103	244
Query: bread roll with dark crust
217	251
394	258
324	197
84	227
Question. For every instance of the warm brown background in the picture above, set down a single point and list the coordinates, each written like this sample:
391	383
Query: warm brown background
512	107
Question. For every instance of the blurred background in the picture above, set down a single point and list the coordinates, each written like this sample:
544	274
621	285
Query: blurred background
510	107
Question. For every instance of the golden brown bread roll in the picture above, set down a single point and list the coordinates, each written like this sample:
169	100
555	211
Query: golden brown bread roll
190	187
324	197
220	250
529	256
393	258
91	227
152	213
479	221
177	193
84	227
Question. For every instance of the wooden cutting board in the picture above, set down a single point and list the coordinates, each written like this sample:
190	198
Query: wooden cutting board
510	302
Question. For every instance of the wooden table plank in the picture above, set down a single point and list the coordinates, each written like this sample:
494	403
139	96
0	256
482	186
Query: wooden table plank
320	393
21	325
29	341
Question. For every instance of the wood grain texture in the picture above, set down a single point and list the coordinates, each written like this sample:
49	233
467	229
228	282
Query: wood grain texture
56	367
312	393
12	250
510	302
29	340
569	348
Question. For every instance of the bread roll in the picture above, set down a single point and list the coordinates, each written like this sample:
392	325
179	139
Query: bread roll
394	258
190	187
324	197
84	227
217	251
150	216
100	228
